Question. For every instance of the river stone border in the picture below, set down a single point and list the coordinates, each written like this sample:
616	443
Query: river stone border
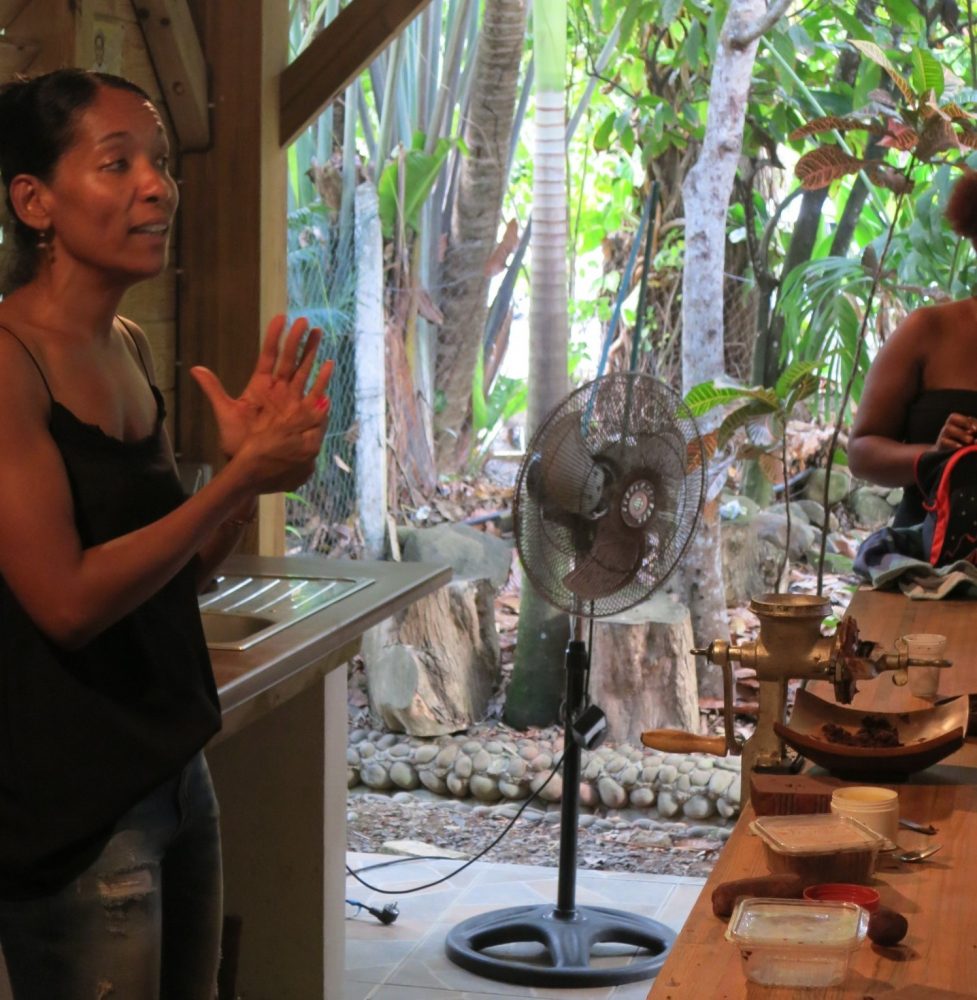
693	786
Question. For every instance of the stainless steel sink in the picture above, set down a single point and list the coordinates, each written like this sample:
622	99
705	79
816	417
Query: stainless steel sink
244	610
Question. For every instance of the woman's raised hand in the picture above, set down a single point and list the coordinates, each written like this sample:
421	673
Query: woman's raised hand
958	431
279	377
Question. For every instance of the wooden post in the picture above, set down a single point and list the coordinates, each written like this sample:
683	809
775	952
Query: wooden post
232	224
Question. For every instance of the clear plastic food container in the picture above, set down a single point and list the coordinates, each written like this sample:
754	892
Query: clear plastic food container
796	942
820	847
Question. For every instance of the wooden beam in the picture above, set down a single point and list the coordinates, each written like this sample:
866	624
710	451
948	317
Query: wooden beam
179	63
336	56
232	223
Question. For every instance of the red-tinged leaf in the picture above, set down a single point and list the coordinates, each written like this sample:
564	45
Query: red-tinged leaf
819	167
510	240
887	177
938	136
875	53
829	123
772	468
967	137
904	141
703	448
898	135
955	113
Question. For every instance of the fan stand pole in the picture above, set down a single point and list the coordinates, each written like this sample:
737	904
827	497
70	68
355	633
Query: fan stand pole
567	933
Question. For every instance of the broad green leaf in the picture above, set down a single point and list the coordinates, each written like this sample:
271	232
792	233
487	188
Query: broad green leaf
904	13
801	390
793	374
628	19
479	408
602	137
927	73
670	10
754	410
706	396
420	173
692	50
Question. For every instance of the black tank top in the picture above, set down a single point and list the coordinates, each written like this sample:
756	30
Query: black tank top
86	733
925	419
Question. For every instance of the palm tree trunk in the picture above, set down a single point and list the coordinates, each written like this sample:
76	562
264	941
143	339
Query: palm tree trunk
477	210
533	698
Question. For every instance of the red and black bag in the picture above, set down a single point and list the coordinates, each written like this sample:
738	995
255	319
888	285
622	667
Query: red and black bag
947	480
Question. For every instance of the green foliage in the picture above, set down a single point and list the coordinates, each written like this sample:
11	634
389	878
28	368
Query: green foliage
490	412
771	407
407	181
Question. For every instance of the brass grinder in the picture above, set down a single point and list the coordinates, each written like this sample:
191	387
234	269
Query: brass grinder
789	645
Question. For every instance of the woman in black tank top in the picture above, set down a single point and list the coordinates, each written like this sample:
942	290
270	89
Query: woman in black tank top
920	393
109	851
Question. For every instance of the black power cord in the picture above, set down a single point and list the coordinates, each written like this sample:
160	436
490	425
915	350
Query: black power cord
460	868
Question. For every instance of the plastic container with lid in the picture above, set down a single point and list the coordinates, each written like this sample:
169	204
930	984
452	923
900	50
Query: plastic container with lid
796	942
877	808
819	847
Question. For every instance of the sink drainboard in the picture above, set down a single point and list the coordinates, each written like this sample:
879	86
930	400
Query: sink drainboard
244	610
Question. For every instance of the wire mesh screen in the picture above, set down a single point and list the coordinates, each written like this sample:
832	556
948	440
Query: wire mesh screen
321	516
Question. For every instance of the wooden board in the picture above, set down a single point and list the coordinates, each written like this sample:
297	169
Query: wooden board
336	56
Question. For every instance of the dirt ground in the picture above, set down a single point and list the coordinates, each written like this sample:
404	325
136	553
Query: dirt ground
609	843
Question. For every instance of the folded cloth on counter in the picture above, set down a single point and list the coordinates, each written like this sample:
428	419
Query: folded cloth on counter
893	558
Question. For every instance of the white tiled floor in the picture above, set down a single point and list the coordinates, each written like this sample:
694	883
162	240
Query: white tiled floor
406	960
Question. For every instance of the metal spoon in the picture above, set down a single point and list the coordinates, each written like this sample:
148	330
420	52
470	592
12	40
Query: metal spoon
917	855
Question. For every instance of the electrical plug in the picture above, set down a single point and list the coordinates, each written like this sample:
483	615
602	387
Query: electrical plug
387	915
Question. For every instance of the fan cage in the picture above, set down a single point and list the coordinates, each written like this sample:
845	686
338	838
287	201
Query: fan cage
621	429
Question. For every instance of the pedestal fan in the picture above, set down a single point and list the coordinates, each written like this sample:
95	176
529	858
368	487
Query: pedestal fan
606	502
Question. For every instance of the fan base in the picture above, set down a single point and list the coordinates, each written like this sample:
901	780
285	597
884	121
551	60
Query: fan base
568	939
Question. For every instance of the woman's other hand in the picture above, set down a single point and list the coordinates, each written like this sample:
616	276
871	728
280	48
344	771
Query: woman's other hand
958	431
279	377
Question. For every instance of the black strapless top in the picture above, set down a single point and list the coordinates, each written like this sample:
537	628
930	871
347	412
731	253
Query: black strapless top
924	420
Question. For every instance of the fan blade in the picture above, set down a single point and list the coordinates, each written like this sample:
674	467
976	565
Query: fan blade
569	478
610	562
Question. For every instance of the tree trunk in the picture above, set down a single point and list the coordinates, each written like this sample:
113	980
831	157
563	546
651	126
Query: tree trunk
477	210
705	194
538	674
643	671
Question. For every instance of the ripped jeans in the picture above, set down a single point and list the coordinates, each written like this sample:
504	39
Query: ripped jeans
143	922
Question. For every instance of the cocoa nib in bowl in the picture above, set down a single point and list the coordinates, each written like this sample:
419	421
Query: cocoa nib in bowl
875	731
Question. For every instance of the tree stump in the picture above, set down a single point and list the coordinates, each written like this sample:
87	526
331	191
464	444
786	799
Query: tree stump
643	672
440	663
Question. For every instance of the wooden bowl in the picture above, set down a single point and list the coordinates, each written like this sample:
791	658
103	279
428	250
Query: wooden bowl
927	736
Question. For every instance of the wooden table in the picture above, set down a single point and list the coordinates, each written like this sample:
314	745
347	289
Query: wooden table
938	958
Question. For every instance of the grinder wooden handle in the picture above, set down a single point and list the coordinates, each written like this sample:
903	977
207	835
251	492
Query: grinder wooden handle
678	741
